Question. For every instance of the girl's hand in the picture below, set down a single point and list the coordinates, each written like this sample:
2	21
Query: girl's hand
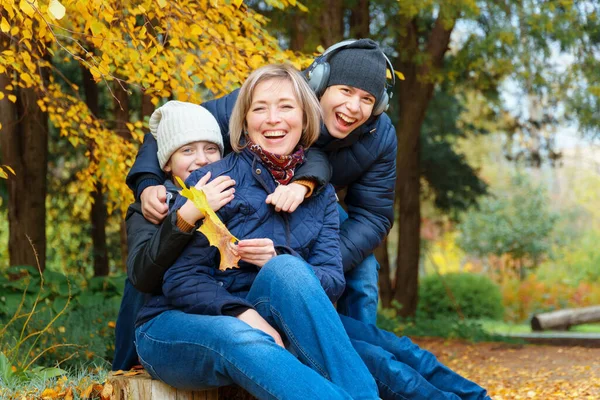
255	251
287	197
218	192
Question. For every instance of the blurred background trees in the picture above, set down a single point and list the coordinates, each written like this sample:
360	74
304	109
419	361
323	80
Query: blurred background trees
489	88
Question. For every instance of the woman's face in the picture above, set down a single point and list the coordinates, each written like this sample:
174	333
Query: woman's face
275	117
192	156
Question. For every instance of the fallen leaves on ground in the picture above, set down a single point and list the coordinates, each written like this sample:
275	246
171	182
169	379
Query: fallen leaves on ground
507	371
523	371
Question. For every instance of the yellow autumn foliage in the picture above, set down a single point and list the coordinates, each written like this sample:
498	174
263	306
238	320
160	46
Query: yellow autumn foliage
189	50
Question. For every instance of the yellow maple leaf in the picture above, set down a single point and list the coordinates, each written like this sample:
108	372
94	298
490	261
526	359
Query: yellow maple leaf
213	228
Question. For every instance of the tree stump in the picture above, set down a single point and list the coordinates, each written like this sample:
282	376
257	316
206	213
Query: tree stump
142	386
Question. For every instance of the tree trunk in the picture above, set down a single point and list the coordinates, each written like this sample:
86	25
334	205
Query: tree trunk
121	114
147	106
414	95
24	146
297	32
360	20
98	213
386	292
332	22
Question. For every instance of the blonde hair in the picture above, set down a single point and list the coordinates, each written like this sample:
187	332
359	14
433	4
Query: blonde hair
311	109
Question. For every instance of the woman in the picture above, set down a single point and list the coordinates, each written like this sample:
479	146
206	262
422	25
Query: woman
212	328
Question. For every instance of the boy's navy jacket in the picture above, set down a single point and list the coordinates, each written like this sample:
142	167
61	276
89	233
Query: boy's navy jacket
364	162
195	285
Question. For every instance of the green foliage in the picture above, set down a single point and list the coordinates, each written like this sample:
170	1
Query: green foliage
60	321
450	327
575	262
452	182
518	224
459	294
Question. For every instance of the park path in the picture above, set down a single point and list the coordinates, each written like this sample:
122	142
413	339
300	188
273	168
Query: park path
523	371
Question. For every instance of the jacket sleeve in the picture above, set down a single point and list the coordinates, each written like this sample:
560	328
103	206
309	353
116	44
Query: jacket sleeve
152	248
370	202
145	171
315	168
325	256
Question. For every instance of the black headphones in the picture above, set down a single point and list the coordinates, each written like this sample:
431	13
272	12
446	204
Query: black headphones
317	76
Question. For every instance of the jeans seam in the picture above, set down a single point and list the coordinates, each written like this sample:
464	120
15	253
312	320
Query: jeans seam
390	389
292	338
212	350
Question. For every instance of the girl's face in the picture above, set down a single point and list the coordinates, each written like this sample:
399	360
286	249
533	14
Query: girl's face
275	117
192	156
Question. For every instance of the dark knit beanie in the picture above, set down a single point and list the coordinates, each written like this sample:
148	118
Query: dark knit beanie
362	65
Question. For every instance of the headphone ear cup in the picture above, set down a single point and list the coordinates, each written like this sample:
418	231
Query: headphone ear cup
319	77
383	104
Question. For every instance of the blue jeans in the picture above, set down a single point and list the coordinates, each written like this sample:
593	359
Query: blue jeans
403	370
191	351
125	353
359	300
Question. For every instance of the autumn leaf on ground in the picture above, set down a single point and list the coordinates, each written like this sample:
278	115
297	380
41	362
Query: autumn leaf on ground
215	231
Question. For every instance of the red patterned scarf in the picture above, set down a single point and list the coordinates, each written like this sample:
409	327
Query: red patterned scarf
281	167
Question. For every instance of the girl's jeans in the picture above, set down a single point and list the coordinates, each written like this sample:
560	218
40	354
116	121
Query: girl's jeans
191	351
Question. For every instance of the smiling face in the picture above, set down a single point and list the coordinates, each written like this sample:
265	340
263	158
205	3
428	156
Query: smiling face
345	108
275	119
192	156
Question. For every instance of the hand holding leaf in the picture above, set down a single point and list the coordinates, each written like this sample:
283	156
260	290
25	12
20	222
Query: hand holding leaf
215	231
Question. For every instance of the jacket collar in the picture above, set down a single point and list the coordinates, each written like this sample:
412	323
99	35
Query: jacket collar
328	143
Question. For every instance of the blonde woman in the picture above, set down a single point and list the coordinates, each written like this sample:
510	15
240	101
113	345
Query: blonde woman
211	327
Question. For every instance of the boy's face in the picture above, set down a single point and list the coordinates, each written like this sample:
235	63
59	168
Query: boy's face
345	108
192	156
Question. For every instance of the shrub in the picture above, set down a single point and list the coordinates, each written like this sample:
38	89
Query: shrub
523	299
450	327
463	294
73	319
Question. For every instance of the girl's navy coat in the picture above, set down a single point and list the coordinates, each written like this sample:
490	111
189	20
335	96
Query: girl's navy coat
364	162
194	285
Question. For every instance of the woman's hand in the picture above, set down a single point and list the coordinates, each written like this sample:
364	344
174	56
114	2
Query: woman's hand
218	192
154	203
254	319
255	251
287	197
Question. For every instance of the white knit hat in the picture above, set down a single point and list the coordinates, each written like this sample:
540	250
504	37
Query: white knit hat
178	123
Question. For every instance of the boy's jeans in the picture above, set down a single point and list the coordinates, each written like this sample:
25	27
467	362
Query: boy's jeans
360	298
405	371
197	351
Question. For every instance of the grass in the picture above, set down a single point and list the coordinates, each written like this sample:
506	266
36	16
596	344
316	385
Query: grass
506	328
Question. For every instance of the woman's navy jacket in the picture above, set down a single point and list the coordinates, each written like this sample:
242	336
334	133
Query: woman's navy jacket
195	285
364	162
